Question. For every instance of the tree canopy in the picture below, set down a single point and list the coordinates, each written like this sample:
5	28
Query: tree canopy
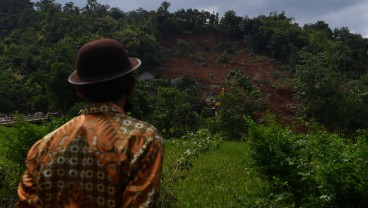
39	41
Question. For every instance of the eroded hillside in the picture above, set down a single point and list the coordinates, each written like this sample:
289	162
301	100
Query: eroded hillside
202	63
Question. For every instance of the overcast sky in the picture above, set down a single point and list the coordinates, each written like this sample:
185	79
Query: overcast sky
336	13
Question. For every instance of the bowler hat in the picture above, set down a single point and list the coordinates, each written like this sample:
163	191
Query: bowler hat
102	60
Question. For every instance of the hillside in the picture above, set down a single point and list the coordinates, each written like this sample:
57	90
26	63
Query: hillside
263	71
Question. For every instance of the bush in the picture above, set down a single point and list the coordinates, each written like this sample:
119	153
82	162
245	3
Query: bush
10	174
12	164
343	177
319	169
206	45
26	135
198	59
181	48
241	99
170	103
230	119
226	47
223	58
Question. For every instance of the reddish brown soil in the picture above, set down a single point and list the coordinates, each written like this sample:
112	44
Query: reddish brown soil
262	70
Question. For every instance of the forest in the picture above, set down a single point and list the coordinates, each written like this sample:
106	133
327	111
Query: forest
313	154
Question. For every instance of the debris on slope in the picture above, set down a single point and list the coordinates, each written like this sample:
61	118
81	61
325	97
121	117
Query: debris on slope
263	71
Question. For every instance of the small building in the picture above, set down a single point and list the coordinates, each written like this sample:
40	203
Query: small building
146	76
174	81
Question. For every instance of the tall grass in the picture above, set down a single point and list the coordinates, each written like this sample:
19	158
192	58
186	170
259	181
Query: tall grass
222	177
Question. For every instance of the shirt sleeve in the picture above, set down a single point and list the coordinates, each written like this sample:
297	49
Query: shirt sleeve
145	169
27	191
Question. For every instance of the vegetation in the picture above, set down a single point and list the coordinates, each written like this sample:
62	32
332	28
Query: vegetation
325	166
319	169
220	177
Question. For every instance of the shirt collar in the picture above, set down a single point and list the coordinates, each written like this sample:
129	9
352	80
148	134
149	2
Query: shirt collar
102	108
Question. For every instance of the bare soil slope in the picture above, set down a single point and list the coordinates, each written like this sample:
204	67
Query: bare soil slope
262	70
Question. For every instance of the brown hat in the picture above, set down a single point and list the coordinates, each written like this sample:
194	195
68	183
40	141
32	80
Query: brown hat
102	60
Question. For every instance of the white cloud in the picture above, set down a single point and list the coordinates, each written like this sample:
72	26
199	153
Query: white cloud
354	17
213	8
336	13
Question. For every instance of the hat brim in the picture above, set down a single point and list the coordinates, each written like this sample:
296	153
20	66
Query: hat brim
76	80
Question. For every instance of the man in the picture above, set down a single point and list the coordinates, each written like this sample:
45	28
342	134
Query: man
102	158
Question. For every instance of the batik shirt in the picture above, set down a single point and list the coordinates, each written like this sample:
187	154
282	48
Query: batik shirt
102	158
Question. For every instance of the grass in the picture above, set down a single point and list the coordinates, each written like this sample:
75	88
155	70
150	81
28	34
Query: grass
221	178
218	177
4	134
9	171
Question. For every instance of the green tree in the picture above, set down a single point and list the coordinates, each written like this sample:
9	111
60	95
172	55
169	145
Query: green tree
173	115
230	23
96	9
276	34
14	13
319	37
351	51
241	99
328	97
140	44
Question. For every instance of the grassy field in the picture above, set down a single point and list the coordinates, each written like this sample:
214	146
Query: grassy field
222	177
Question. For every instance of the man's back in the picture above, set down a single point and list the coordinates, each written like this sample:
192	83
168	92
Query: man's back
101	158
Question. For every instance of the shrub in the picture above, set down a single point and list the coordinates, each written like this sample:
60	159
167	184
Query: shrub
181	48
319	169
17	144
10	174
343	177
226	47
198	59
270	147
206	45
223	58
170	103
241	99
230	120
26	135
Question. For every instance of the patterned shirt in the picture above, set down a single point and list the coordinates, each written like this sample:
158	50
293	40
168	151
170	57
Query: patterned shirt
102	158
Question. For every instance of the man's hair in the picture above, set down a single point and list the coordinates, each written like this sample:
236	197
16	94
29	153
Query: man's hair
109	91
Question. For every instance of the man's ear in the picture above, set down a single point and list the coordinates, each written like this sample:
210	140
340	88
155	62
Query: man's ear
131	86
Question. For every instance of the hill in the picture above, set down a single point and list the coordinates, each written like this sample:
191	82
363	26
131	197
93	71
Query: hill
202	64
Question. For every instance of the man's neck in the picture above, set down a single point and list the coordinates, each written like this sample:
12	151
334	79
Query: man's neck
121	102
